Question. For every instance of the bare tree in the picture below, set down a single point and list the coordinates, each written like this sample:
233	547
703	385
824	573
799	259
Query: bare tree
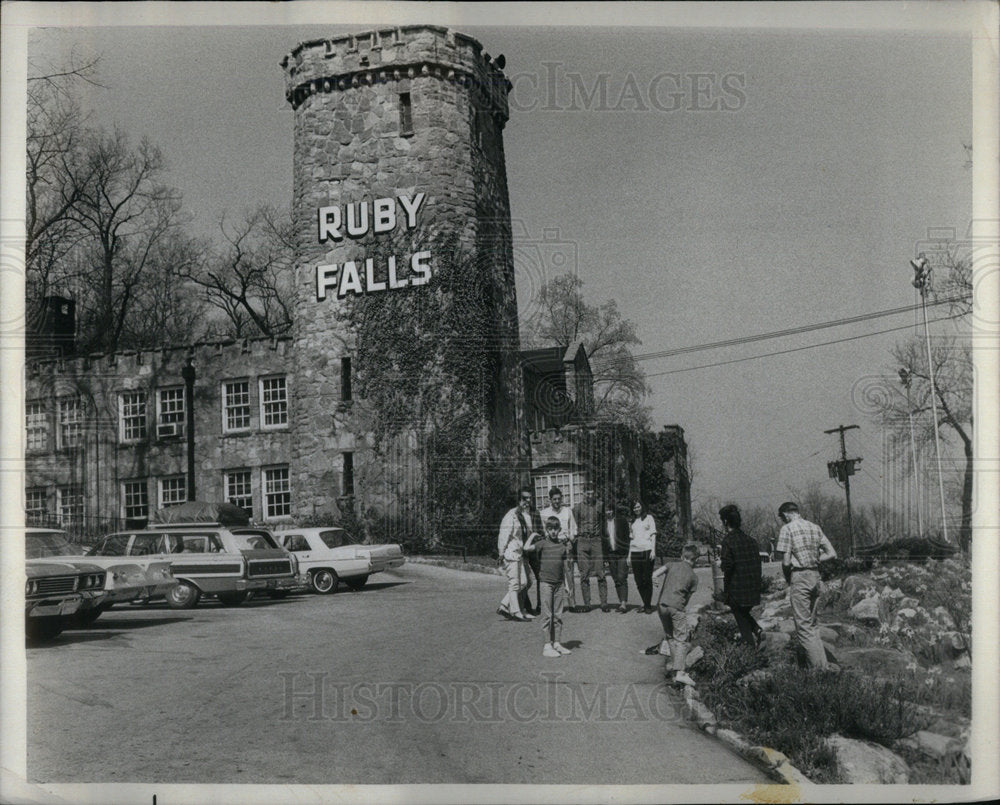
55	173
127	214
250	280
565	317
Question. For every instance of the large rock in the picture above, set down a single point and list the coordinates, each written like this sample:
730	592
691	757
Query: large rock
867	611
880	661
787	626
776	641
828	635
854	587
693	656
866	762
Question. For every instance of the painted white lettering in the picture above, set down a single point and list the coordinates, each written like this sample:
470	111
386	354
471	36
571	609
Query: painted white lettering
370	284
349	280
395	283
420	265
411	206
357	223
326	280
384	215
328	220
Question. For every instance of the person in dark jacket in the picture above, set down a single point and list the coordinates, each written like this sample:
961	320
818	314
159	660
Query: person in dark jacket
616	540
741	574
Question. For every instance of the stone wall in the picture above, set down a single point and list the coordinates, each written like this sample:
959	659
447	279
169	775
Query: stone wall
101	461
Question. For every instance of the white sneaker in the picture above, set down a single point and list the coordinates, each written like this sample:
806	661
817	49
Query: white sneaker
549	651
681	678
559	647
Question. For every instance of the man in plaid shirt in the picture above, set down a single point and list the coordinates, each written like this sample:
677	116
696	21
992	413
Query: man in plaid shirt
803	545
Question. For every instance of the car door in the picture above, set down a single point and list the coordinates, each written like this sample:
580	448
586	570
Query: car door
298	544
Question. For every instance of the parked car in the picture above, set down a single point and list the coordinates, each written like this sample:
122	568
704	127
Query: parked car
211	552
123	581
55	591
328	555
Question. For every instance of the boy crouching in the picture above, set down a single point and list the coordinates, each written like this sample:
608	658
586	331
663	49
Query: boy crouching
678	587
552	551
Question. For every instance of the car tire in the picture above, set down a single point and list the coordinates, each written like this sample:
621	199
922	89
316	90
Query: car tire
232	599
86	617
324	581
357	582
183	596
43	629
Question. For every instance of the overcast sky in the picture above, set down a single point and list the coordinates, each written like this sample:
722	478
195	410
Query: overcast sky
797	197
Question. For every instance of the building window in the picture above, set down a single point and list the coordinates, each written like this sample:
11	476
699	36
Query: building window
569	483
345	379
238	491
70	422
170	412
69	504
273	402
37	426
173	490
347	479
405	115
236	405
36	504
135	500
277	492
132	416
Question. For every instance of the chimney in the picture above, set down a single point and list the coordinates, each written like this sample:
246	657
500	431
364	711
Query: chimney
53	332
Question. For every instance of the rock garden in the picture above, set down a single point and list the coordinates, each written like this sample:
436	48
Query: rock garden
895	705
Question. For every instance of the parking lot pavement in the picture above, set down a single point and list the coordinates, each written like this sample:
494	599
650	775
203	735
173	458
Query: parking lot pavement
414	679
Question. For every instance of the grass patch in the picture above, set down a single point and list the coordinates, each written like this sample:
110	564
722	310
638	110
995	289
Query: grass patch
793	709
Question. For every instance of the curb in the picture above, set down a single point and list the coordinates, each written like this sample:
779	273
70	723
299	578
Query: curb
454	564
771	761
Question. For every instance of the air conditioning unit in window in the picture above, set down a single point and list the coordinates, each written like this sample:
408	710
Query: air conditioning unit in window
168	430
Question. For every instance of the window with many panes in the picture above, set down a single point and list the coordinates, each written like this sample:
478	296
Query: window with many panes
70	422
36	504
69	504
135	500
235	405
173	490
36	425
132	416
170	411
238	489
277	492
569	483
273	402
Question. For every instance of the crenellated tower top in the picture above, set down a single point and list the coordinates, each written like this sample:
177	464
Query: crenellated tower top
392	55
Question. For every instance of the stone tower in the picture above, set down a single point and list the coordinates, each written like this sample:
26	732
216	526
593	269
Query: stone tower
399	180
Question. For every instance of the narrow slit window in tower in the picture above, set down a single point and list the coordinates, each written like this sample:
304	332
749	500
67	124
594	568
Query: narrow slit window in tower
345	379
347	479
405	115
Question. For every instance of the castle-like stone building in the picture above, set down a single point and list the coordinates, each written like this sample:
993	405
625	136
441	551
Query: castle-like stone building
401	400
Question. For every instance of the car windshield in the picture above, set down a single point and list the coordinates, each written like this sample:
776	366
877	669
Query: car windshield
38	546
337	537
253	540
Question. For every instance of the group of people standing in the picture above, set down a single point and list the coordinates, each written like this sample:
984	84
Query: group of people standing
540	549
587	535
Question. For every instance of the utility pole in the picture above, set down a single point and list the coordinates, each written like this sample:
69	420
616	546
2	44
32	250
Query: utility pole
843	470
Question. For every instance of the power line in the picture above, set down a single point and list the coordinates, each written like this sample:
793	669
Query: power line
793	349
790	331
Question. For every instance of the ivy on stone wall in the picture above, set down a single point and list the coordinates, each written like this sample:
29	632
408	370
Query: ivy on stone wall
657	450
428	368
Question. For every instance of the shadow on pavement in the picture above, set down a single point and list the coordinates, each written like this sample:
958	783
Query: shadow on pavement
378	585
122	623
68	638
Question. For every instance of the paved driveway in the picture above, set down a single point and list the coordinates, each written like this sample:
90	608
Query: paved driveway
414	679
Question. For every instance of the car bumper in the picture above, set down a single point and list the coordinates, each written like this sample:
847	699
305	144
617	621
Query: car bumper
387	564
46	608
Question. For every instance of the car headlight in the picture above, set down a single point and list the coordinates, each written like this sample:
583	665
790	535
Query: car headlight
30	587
